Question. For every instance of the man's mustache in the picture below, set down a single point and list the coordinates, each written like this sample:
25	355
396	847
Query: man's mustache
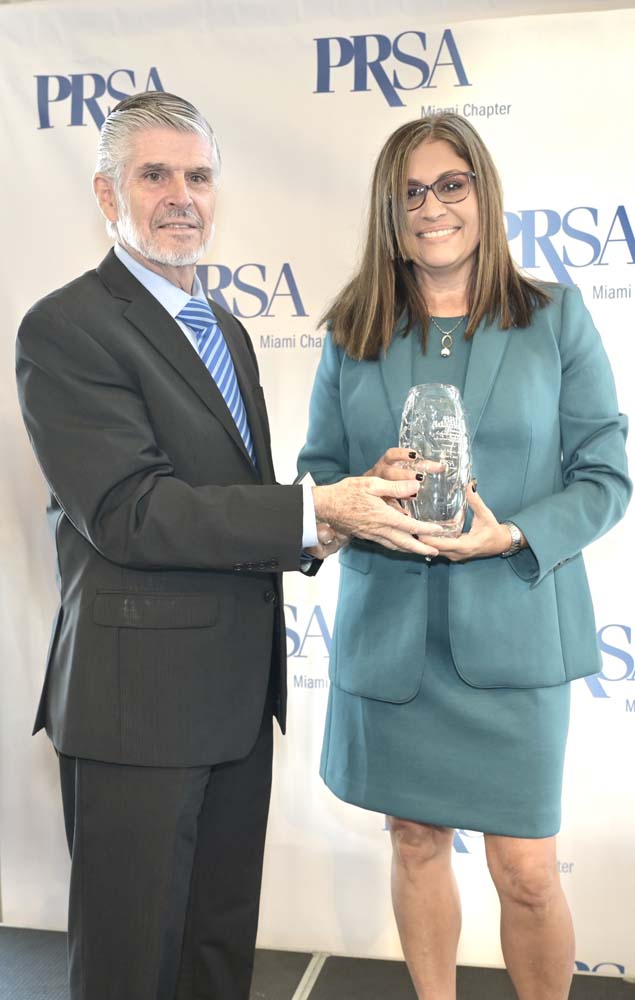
181	215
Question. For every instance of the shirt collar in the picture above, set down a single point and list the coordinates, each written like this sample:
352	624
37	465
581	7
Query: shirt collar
172	298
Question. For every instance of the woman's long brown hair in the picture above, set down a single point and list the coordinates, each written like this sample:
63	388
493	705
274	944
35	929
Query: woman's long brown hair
363	316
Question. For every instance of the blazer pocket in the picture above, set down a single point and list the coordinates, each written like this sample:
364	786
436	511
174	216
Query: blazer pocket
355	558
503	632
138	610
359	556
378	648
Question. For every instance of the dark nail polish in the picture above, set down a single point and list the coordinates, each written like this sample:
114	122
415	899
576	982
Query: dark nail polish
419	476
412	454
473	487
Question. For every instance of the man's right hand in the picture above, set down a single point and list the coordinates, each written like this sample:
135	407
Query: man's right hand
363	507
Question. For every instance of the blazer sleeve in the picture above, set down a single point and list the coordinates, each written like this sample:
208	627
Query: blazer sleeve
94	441
595	488
325	454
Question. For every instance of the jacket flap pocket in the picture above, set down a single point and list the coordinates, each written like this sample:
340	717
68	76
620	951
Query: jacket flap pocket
355	558
364	556
135	610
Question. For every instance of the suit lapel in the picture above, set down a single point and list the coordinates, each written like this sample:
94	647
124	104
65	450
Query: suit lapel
488	350
486	355
397	376
152	320
246	375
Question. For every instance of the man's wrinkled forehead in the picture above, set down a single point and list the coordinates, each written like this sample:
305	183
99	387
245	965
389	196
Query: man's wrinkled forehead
167	149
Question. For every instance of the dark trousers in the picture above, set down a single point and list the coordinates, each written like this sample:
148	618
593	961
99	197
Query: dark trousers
166	865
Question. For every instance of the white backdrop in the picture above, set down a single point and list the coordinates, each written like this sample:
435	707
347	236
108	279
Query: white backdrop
302	103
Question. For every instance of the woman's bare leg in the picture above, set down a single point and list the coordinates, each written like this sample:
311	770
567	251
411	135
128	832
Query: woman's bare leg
536	928
426	904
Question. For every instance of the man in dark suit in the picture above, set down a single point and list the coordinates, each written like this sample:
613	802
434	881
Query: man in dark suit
144	408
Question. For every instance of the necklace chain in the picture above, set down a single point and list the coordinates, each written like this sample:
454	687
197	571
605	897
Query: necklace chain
446	336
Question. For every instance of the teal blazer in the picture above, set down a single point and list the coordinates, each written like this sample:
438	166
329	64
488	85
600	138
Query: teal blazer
548	451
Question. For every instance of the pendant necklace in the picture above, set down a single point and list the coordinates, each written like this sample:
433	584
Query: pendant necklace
446	336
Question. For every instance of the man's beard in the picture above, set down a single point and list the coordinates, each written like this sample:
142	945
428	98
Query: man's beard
149	247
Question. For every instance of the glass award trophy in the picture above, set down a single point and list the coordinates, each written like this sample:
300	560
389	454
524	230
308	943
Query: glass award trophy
434	425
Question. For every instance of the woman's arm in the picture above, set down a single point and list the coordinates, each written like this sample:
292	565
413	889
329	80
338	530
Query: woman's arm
596	488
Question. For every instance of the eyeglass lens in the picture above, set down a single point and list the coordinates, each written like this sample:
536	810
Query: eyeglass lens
448	189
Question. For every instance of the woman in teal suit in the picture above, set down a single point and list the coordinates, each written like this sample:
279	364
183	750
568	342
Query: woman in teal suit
449	699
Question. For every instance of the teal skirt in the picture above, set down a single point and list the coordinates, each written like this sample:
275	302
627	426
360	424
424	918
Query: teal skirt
489	760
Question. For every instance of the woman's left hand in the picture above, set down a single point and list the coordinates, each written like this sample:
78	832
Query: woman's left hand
486	537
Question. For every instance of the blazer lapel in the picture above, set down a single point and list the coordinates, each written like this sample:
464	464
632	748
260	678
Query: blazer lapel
397	376
152	320
488	350
244	367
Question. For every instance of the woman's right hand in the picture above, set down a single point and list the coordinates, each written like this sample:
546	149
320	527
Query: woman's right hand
402	463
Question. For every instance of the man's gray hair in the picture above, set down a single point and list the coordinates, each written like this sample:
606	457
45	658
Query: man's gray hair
151	109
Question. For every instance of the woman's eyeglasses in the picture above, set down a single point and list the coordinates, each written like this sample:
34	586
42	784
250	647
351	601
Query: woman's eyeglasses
448	189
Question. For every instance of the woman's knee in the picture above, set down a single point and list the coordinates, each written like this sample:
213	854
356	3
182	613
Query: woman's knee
524	873
416	844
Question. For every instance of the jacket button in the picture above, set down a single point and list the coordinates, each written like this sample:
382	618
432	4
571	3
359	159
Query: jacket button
270	596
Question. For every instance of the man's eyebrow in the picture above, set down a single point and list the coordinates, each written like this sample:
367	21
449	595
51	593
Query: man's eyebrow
153	166
204	169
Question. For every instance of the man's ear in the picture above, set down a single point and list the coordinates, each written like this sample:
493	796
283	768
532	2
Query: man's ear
105	194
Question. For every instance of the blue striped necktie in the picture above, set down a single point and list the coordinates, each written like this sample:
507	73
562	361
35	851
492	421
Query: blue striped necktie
214	354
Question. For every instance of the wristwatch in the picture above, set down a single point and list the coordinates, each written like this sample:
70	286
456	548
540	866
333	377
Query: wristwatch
517	540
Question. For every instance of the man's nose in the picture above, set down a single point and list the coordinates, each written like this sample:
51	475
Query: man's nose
179	193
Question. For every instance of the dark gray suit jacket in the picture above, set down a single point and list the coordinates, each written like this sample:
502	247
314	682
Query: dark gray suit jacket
170	543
